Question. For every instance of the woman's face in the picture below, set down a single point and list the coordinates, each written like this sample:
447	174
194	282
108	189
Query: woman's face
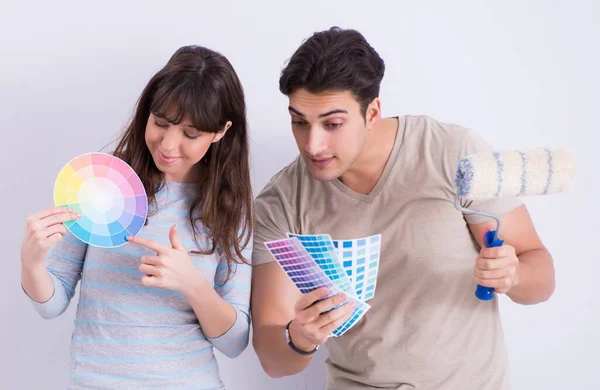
176	149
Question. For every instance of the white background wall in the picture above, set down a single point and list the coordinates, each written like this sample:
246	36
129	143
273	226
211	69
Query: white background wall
522	73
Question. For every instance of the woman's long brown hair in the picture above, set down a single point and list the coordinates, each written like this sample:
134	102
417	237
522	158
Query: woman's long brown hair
201	84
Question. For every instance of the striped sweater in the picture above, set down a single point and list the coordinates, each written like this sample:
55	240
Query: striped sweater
128	336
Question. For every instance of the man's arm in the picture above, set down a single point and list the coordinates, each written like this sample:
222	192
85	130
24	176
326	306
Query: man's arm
274	297
275	300
523	268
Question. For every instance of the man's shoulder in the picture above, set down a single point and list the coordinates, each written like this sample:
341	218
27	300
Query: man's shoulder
435	132
435	145
285	180
273	206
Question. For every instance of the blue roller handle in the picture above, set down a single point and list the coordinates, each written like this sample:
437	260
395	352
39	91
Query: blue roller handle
491	240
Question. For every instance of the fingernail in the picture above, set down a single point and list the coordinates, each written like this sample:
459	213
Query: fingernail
323	290
128	238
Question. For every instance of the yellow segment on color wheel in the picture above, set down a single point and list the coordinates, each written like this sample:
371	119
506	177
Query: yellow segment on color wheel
68	179
75	183
63	178
59	197
72	196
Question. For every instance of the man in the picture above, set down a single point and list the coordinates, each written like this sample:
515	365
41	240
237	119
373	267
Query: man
359	175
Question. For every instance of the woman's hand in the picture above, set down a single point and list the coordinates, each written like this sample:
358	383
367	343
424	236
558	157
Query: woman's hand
171	268
43	230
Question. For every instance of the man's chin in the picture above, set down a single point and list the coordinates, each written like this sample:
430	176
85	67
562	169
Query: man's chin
323	175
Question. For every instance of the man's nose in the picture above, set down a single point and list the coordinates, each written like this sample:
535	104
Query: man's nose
316	141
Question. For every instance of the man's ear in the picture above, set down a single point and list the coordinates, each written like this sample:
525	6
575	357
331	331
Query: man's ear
373	113
221	133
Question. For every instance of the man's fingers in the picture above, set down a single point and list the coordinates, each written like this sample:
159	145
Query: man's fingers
334	315
499	284
327	329
309	298
490	274
324	305
492	264
493	252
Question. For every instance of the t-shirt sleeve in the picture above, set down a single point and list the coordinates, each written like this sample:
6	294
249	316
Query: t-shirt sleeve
473	143
269	224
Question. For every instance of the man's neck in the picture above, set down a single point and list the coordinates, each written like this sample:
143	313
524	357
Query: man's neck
366	171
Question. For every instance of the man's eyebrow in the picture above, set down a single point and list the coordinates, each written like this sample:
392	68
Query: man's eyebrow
323	115
293	110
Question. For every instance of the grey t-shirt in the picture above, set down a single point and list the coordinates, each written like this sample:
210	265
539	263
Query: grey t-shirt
425	329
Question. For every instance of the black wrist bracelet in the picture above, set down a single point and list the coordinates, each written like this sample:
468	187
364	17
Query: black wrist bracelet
288	339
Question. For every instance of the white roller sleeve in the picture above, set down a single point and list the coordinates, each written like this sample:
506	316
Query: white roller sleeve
515	173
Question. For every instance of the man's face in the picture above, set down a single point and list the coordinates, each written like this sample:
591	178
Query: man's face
330	131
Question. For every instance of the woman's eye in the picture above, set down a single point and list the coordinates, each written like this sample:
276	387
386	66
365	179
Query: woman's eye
161	124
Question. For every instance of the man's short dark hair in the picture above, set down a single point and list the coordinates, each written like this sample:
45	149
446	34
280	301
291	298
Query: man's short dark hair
335	60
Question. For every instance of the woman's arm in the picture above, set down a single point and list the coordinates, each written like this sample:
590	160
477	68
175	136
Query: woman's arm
50	286
222	309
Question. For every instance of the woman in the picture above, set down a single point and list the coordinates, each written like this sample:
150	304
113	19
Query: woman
151	311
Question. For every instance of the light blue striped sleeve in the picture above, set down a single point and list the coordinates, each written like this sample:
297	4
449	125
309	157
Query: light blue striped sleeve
236	292
65	263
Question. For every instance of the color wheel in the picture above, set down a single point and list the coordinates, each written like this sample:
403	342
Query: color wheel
107	193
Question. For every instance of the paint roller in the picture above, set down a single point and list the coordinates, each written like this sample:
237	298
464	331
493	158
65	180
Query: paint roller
510	173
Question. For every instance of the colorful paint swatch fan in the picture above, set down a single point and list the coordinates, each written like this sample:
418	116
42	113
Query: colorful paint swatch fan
107	193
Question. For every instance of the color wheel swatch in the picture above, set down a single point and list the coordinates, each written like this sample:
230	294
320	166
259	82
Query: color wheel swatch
107	193
311	262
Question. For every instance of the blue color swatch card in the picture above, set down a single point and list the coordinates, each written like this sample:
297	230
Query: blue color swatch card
360	259
311	262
